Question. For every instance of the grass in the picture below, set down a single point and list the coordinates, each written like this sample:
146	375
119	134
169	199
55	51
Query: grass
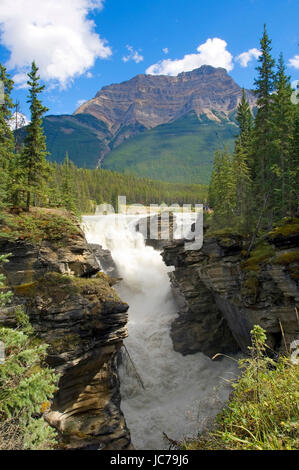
263	412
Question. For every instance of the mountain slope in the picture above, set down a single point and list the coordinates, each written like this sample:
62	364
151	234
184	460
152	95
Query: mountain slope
156	126
84	137
181	151
168	127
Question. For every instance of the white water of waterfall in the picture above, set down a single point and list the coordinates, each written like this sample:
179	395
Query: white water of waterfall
180	392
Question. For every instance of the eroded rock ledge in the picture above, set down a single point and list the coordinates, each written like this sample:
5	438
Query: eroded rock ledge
222	294
84	322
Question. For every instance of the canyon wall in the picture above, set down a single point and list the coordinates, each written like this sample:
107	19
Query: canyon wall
222	293
84	322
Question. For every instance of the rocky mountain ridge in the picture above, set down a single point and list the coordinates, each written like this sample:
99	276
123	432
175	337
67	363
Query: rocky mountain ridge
150	101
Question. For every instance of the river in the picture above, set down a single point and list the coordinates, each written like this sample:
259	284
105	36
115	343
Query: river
181	393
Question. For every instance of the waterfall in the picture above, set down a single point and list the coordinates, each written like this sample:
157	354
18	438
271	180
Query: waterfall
180	392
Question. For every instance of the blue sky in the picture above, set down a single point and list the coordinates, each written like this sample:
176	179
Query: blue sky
83	45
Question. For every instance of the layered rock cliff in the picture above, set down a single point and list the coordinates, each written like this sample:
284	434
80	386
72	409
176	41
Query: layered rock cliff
149	101
222	293
74	309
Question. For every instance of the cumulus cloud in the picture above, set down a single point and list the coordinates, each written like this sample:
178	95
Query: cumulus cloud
57	34
165	50
294	62
246	57
212	52
133	55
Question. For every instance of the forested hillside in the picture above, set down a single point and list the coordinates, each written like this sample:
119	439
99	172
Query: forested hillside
83	137
180	151
82	189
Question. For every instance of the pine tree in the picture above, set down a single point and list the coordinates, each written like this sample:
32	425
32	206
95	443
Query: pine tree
263	135
222	190
68	198
283	119
242	155
33	158
6	139
293	193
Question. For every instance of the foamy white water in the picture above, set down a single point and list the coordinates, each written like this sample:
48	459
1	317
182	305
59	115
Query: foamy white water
181	392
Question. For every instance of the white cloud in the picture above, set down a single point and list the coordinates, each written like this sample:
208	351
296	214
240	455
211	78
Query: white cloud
20	80
80	102
133	55
294	62
89	75
212	52
57	34
165	50
246	57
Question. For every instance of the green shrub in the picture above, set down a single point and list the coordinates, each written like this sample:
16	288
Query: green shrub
36	226
26	386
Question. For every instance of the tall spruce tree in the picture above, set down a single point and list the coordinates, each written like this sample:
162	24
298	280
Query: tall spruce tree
263	134
6	138
33	157
222	190
293	194
266	155
242	154
68	197
283	119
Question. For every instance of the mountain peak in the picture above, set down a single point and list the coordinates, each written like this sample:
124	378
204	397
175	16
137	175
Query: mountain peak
205	70
151	100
